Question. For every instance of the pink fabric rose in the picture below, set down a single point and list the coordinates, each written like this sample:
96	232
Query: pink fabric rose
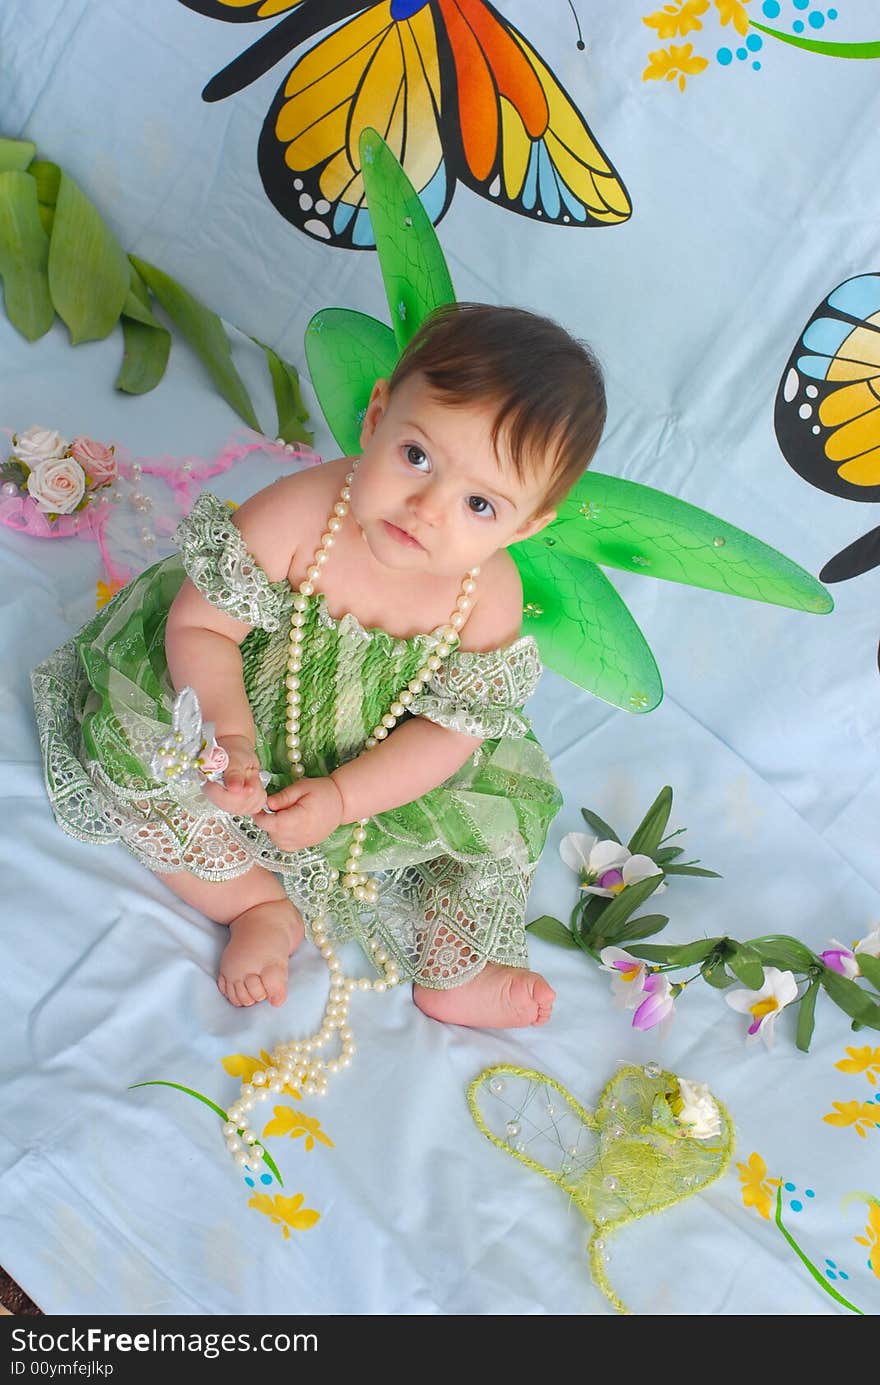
57	486
96	459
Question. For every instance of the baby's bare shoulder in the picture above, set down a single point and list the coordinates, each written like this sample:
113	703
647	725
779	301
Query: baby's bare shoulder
289	513
496	618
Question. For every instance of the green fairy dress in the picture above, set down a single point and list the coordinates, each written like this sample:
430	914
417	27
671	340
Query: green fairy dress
453	868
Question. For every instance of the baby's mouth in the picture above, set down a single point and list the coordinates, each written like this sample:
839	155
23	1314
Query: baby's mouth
401	536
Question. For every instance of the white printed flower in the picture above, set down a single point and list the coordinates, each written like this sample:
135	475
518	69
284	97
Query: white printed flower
605	867
57	486
37	445
696	1110
765	1006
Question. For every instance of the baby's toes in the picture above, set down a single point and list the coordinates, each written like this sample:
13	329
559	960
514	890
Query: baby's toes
274	978
544	996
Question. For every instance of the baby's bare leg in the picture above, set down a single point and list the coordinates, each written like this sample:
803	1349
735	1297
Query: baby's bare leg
264	929
496	998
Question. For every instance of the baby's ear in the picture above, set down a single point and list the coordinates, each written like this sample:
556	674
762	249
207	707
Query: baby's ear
534	525
375	410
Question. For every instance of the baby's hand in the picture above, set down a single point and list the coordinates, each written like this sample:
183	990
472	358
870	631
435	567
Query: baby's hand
242	790
303	814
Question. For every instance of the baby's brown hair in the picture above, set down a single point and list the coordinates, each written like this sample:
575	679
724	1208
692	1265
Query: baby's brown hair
547	386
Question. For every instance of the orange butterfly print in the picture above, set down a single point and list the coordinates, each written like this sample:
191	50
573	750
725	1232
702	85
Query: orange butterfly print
457	93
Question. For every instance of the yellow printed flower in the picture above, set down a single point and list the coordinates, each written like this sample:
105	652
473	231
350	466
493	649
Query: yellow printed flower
104	592
681	62
286	1212
871	1238
256	1070
856	1114
756	1186
678	19
861	1060
733	12
296	1123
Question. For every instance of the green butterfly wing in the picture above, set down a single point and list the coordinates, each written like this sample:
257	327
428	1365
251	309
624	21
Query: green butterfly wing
347	352
583	628
624	524
413	265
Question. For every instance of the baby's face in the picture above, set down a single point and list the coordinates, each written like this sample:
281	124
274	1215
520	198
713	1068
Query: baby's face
429	492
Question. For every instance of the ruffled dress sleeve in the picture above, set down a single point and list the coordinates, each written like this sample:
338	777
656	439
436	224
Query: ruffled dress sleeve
483	694
217	561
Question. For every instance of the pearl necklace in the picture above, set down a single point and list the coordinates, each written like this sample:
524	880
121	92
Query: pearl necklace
299	1061
362	886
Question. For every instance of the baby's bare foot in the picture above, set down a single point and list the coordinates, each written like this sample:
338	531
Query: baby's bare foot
254	962
497	998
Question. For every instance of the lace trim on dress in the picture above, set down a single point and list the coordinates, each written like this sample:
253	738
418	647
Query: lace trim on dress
218	562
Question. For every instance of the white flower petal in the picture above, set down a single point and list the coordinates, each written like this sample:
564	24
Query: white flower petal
870	945
639	868
575	849
608	855
741	1001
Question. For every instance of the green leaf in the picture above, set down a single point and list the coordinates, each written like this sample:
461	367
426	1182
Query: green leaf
643	927
713	971
552	931
88	272
806	1016
869	967
622	905
745	963
779	950
678	955
15	154
593	820
649	833
292	412
851	998
588	909
144	356
146	343
24	256
47	177
667	853
204	332
692	870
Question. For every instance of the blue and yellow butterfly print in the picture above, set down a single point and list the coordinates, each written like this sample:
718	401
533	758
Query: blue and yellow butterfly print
827	414
457	93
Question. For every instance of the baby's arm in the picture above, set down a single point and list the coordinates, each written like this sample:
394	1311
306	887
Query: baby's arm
202	646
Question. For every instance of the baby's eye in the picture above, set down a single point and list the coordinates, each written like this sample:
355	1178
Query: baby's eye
416	457
479	505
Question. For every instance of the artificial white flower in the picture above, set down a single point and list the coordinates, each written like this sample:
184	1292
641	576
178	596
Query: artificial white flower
696	1110
845	960
57	486
605	867
629	972
38	445
870	945
765	1006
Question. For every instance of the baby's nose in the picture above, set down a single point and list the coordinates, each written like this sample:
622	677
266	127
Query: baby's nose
430	504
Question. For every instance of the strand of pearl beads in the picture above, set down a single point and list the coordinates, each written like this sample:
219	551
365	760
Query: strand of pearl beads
299	1063
362	886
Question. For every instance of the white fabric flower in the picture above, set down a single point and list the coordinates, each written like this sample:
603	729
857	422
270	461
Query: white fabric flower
765	1006
628	986
57	486
696	1110
870	945
37	445
605	867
